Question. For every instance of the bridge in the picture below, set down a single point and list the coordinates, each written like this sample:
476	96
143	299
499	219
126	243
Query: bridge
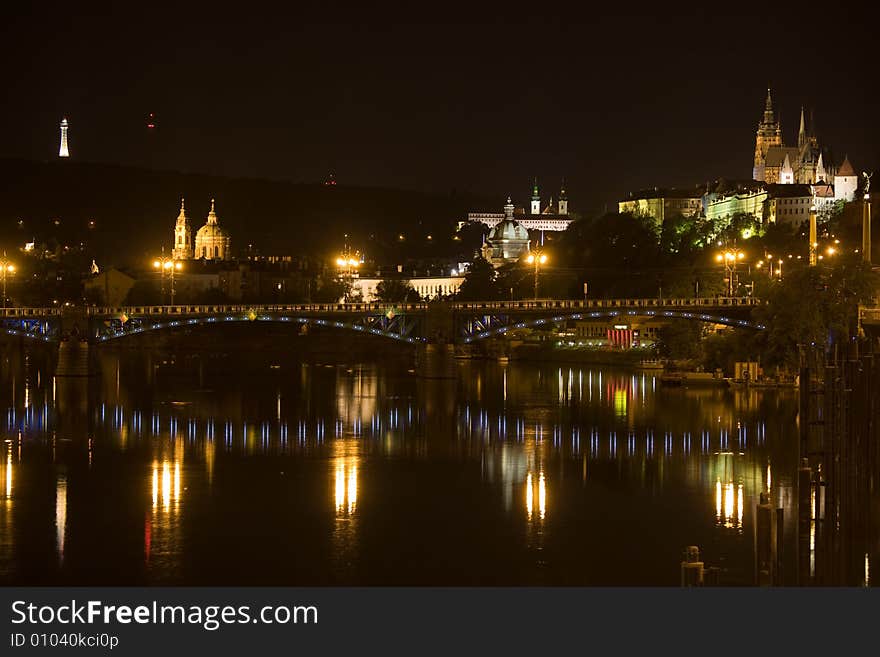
411	323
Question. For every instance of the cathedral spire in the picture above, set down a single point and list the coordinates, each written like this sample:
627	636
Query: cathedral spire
536	198
769	118
802	133
212	216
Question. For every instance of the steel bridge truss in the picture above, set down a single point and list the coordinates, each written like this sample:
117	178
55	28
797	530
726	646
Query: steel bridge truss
32	328
486	326
397	326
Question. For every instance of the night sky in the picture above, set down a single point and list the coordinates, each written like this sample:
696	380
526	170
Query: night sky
610	103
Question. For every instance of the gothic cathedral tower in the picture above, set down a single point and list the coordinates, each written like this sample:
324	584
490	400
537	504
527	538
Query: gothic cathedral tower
183	249
769	134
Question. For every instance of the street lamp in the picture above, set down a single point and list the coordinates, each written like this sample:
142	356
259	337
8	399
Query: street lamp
6	269
348	262
167	266
536	258
729	258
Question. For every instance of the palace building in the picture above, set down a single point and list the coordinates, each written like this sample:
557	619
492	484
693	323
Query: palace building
553	216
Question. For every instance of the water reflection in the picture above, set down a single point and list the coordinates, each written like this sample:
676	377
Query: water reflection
356	465
60	514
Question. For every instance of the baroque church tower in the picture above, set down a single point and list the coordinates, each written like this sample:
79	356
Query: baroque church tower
183	249
769	134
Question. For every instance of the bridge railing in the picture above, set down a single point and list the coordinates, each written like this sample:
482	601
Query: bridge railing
241	309
382	307
27	311
589	304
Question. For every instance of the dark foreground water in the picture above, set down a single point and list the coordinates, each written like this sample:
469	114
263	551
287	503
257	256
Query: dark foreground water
162	471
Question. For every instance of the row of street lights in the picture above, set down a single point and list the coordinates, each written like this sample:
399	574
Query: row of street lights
167	266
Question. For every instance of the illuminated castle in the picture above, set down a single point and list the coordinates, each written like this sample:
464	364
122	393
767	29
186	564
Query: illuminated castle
777	163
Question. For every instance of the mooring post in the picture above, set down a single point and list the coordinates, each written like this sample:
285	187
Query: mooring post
692	567
803	496
764	558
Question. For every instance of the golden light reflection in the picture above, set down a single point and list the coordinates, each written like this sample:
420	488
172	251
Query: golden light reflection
166	485
155	486
9	471
529	495
346	486
541	494
729	504
620	402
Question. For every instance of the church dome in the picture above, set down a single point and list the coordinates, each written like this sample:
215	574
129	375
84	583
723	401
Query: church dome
508	230
210	231
212	242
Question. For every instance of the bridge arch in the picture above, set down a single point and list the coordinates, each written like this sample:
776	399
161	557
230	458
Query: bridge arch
597	314
142	325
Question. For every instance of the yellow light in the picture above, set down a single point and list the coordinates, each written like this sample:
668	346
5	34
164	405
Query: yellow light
353	262
831	250
340	262
352	488
157	264
740	255
542	496
529	495
719	258
530	259
340	486
543	258
168	264
10	268
178	266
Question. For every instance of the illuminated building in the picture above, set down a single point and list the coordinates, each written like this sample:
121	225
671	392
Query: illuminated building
742	200
775	162
427	287
662	203
508	240
183	249
212	242
552	217
62	149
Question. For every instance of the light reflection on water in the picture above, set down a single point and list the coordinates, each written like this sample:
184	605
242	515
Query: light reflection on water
425	478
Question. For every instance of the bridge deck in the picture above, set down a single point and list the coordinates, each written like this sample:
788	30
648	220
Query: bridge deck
376	307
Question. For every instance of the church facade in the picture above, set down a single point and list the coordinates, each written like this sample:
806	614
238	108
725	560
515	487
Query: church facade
212	241
775	162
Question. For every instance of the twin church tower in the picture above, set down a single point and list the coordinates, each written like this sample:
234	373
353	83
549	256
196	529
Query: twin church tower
212	241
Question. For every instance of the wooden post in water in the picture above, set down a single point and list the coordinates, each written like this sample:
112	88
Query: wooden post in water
764	558
692	567
803	509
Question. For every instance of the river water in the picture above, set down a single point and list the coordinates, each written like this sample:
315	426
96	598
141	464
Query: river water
159	471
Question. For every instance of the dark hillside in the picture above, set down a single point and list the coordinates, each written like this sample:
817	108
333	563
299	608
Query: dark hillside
134	210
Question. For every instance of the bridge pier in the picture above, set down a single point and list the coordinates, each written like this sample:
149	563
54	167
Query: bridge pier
74	358
435	361
74	353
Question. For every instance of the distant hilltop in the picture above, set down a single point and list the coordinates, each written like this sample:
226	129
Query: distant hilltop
126	214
